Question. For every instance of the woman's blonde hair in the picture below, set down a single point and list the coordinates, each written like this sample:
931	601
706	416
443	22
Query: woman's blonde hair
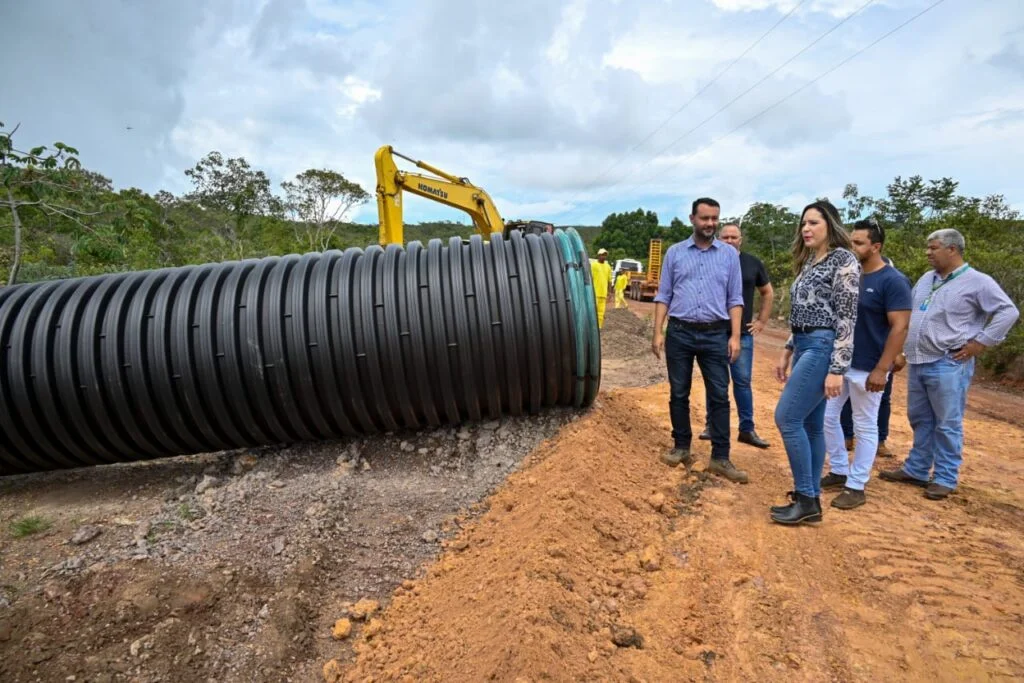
837	235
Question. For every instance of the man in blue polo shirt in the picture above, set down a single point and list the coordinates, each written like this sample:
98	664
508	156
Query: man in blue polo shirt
701	296
884	410
883	316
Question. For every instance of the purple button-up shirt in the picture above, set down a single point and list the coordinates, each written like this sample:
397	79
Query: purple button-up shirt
700	285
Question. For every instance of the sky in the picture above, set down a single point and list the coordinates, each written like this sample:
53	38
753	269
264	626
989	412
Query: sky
563	110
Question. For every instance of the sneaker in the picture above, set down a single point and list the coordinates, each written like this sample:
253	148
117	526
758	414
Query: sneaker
883	451
705	435
752	439
725	468
937	491
833	480
849	499
900	477
677	456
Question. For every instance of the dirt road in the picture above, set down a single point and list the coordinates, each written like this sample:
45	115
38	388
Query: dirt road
590	561
595	562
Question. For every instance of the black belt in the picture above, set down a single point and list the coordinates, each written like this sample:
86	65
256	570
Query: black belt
716	325
803	329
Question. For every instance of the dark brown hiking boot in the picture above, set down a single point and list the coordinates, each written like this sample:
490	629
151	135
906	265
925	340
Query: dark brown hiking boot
849	499
677	456
883	451
705	435
833	480
937	491
900	477
725	468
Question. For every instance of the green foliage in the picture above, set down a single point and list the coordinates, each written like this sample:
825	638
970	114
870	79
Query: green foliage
768	232
319	200
628	235
28	525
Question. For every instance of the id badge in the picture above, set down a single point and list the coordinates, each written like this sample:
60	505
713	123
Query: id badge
924	305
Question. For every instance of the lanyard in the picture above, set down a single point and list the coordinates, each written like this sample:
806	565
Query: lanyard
939	284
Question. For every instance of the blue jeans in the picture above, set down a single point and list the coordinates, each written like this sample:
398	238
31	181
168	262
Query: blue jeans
741	370
711	350
800	412
936	399
884	411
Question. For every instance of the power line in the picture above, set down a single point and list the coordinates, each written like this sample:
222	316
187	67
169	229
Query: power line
786	98
735	99
700	92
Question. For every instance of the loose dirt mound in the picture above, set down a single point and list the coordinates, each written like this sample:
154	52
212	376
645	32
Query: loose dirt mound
556	581
624	334
626	358
230	566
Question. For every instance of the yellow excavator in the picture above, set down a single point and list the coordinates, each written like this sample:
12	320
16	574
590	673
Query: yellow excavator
442	187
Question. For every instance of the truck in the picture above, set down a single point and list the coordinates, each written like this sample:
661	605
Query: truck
644	288
627	267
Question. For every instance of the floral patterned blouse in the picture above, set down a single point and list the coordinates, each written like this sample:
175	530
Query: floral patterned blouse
825	295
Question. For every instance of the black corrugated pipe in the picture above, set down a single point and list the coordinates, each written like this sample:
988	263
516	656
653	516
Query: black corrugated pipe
185	360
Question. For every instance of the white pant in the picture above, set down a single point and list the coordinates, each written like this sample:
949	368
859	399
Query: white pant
865	427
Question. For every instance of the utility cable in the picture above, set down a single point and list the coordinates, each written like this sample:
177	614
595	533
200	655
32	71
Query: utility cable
690	101
785	98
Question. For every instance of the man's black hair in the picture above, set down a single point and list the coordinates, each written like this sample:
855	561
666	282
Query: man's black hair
876	233
704	200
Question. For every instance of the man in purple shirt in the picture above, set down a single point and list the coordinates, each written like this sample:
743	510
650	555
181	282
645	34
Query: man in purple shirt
701	296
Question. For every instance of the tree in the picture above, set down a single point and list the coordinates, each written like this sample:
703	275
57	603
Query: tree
627	234
233	187
35	178
319	199
856	205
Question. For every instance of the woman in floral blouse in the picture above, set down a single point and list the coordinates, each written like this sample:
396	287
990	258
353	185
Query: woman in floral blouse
822	314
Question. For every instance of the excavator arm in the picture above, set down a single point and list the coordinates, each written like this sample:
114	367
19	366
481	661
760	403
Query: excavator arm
445	188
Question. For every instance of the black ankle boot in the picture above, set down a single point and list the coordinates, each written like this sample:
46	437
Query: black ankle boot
782	508
805	510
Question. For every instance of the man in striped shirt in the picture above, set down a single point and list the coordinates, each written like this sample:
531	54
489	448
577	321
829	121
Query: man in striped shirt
957	313
701	296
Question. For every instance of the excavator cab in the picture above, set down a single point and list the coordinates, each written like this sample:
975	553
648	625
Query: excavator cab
528	228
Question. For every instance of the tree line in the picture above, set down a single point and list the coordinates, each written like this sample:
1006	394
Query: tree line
58	220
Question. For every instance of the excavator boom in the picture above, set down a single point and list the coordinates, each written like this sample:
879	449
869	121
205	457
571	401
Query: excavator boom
445	188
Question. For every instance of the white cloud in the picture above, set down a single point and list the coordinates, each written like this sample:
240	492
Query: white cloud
358	92
569	28
539	102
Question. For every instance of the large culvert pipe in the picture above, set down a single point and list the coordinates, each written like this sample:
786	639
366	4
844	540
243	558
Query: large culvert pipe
279	350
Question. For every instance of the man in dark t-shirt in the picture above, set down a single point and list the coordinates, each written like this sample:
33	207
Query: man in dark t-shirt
884	409
883	317
755	276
